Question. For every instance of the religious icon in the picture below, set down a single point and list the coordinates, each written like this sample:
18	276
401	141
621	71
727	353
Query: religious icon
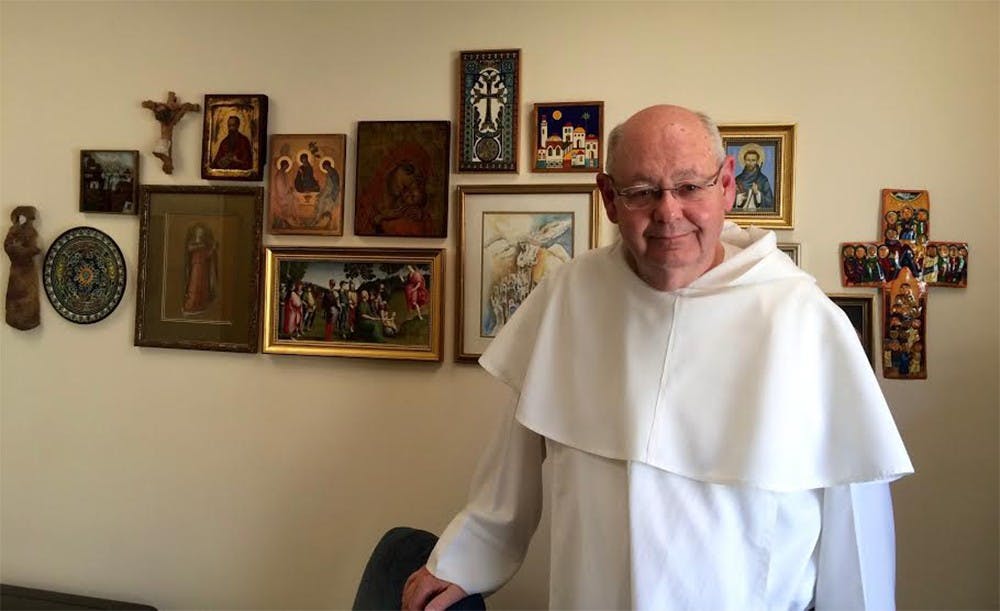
569	137
904	312
233	145
168	114
489	101
764	155
307	184
109	181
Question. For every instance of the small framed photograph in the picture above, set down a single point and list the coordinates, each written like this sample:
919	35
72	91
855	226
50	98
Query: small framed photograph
792	249
569	137
765	158
509	237
489	100
109	181
402	179
859	310
355	302
306	189
234	140
199	268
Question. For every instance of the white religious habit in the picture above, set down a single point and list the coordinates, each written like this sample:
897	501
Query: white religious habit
722	446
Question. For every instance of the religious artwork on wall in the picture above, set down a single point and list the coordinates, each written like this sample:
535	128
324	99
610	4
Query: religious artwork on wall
233	143
569	137
21	309
109	181
765	157
168	114
199	268
362	302
306	192
904	264
84	275
858	309
402	179
509	238
489	100
792	249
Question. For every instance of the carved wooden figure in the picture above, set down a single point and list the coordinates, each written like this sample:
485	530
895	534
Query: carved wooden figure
21	245
168	114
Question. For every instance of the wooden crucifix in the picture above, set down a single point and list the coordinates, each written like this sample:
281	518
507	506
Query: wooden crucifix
904	264
168	114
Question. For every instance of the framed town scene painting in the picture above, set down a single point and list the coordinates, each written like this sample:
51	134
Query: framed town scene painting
234	137
361	302
109	181
569	137
402	179
306	193
510	237
199	268
489	99
764	157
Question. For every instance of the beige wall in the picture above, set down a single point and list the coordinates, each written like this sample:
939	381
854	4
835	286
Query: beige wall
198	479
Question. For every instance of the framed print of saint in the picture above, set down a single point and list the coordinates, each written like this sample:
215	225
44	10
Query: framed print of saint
765	156
306	189
234	137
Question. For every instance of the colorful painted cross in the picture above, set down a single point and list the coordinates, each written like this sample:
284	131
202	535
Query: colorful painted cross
903	265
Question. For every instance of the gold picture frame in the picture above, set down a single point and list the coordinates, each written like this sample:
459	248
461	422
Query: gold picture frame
765	170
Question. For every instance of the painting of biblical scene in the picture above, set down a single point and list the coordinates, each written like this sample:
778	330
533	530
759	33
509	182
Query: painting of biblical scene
764	156
354	302
488	99
859	310
233	140
903	320
946	264
109	181
402	179
569	137
306	174
518	250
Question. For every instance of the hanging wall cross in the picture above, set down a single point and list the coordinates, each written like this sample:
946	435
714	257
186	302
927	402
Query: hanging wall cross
168	114
903	265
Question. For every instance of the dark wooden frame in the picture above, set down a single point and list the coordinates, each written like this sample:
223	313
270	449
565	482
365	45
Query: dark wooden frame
467	165
257	130
538	145
866	307
135	181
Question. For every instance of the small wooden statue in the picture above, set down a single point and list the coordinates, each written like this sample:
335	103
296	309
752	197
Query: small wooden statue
21	245
168	114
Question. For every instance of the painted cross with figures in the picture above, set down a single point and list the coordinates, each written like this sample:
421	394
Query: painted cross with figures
904	264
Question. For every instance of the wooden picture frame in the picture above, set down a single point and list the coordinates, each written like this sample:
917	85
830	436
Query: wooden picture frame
306	184
489	101
402	182
859	309
109	181
234	137
793	250
569	137
508	237
355	302
765	183
199	268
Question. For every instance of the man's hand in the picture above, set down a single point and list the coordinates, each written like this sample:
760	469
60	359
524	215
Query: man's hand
425	591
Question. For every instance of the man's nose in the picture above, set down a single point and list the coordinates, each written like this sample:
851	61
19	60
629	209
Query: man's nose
668	207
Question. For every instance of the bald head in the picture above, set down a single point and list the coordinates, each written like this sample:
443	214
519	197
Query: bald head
667	123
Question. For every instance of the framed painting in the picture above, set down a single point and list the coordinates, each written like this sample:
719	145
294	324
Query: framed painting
792	249
109	181
233	142
199	268
859	310
306	192
489	99
355	302
509	237
569	137
765	158
402	179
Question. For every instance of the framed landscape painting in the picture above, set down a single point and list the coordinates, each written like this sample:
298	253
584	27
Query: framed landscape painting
489	100
569	137
306	191
509	238
233	142
199	268
765	157
109	181
360	302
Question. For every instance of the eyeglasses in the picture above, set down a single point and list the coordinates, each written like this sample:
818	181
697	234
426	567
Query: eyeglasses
644	197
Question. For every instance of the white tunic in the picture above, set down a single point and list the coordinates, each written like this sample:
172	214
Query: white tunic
724	446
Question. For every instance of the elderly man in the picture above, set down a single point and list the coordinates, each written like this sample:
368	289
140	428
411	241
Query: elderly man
717	438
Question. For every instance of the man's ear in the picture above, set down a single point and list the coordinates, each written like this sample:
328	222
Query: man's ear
728	181
608	197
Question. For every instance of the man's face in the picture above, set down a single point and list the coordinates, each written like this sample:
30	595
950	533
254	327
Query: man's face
233	124
750	161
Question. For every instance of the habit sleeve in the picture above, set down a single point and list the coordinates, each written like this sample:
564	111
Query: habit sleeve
485	543
856	565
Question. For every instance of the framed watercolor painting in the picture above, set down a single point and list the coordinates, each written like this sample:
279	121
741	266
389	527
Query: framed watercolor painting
489	100
402	179
359	302
859	310
306	190
509	237
569	137
765	158
109	181
199	268
233	142
793	250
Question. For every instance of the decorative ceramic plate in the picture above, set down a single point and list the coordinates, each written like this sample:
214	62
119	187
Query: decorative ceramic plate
84	275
